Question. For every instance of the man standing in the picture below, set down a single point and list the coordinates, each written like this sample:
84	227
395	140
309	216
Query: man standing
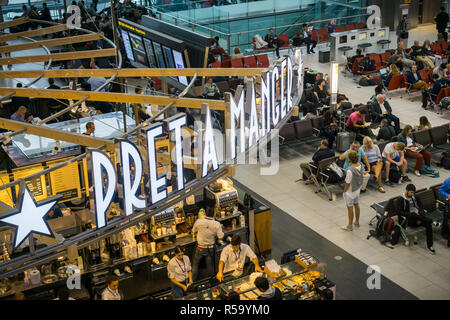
323	152
353	184
273	41
307	39
382	110
206	229
233	256
411	208
441	23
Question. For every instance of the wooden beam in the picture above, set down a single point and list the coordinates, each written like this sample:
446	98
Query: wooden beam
33	33
130	73
44	131
113	97
59	56
51	42
12	23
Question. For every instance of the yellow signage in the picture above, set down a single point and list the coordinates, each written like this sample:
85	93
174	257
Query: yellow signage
5	194
122	24
66	181
37	186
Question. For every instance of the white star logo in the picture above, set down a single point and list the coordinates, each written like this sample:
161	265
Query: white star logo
29	217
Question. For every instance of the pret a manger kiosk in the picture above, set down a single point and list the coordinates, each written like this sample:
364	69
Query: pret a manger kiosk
272	111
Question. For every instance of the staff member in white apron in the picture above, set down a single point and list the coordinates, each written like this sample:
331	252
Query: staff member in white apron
111	291
207	230
233	256
180	274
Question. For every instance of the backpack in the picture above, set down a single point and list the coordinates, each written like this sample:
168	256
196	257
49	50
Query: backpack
383	230
427	170
445	160
334	173
395	174
395	235
445	103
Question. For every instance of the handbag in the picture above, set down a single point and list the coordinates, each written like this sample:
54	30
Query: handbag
427	170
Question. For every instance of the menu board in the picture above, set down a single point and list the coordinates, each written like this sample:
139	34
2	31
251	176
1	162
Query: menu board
65	181
5	194
138	49
150	53
86	179
37	186
127	44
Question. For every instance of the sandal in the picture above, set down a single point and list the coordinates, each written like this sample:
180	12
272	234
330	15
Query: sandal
381	189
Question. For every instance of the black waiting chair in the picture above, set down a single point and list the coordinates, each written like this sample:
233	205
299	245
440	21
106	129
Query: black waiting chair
439	137
423	138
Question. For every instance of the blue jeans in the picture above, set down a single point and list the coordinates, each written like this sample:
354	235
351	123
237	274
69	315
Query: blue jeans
199	255
177	291
396	159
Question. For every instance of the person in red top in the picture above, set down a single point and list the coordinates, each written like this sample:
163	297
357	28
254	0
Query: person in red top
357	123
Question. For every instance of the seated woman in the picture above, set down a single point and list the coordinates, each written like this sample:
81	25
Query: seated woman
414	150
330	127
424	124
373	154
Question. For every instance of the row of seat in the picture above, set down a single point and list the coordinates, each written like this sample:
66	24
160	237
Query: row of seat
433	204
255	61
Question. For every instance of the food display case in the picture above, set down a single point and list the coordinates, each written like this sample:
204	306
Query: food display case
297	284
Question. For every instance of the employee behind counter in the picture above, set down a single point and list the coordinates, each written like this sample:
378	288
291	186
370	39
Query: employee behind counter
233	256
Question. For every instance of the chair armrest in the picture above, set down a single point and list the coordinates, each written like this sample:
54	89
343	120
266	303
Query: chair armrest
441	202
317	131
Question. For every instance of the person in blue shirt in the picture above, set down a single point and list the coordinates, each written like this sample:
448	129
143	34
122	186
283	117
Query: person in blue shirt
444	191
356	146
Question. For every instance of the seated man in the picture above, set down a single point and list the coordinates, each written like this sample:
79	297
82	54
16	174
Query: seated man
411	208
396	60
323	152
440	71
382	110
367	64
419	55
444	191
308	39
356	146
273	41
416	81
386	132
406	57
19	115
357	123
351	60
321	92
268	292
393	154
433	92
211	91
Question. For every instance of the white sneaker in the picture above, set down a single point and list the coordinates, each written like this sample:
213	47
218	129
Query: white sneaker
347	228
417	173
436	224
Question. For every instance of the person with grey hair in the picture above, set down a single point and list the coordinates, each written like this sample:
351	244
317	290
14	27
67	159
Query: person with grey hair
381	109
19	115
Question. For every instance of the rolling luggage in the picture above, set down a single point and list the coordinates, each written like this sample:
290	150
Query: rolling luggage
342	141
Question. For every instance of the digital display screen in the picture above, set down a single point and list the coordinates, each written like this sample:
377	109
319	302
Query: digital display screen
363	36
381	33
150	54
127	44
169	59
138	49
159	55
343	39
179	63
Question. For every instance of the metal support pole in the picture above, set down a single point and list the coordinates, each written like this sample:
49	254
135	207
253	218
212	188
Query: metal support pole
229	44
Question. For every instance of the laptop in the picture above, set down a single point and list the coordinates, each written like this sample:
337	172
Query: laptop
383	71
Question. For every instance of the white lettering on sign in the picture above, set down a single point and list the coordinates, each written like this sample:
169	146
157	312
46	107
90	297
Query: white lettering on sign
237	113
127	150
253	127
101	164
374	20
265	104
209	147
282	98
275	105
154	131
174	125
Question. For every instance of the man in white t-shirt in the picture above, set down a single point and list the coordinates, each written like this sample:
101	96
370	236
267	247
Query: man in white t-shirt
233	256
393	154
352	189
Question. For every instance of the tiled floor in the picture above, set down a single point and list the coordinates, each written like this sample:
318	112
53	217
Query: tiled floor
413	268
